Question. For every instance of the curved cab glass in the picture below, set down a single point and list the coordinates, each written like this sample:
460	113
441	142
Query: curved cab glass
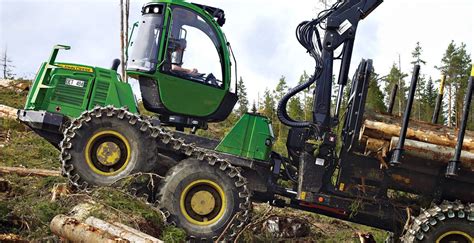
144	54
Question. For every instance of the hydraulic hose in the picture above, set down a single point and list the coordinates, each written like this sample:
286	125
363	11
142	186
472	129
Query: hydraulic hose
282	113
308	36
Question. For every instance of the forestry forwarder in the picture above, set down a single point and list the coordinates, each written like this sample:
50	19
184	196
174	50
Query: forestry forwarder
92	117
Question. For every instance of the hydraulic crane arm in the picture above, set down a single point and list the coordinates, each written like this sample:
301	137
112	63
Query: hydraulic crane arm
341	25
340	30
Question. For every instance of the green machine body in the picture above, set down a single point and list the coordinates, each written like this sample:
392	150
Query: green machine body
251	137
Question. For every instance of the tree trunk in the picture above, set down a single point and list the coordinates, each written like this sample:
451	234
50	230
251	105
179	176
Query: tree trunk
29	172
450	96
125	61
122	43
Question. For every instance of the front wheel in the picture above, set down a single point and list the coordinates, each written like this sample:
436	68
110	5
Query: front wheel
105	145
205	199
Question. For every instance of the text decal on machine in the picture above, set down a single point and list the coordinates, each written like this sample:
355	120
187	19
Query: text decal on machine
76	68
75	82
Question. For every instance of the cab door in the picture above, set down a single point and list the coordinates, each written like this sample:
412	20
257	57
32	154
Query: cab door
191	79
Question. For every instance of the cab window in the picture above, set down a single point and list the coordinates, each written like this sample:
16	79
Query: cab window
144	56
193	50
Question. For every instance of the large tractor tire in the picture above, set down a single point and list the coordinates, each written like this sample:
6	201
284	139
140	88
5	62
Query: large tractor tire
105	145
447	222
205	199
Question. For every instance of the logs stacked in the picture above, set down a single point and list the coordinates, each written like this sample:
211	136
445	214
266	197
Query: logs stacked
379	135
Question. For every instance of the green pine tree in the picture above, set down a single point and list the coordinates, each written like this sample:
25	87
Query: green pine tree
243	100
307	98
463	67
280	90
375	97
455	64
416	54
447	69
396	77
429	100
267	107
418	106
295	109
254	108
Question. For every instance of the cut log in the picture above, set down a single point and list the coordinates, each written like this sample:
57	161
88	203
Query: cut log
121	231
29	172
377	146
8	112
381	130
433	152
73	230
417	125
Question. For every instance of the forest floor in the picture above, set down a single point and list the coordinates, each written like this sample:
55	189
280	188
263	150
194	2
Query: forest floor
28	206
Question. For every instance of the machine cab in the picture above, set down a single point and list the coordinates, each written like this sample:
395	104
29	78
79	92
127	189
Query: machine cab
182	62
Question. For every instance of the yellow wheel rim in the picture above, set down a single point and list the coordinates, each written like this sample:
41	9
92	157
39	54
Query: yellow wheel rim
450	235
203	202
107	153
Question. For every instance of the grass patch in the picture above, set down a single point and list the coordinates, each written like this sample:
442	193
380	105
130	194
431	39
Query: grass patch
29	150
173	234
28	208
12	98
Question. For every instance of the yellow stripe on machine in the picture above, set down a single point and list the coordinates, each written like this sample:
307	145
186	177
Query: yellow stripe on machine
472	71
76	68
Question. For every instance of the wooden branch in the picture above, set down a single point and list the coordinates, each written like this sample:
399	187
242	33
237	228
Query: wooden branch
71	229
29	172
59	190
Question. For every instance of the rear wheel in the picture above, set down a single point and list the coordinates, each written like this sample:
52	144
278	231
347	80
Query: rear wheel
205	200
105	145
448	222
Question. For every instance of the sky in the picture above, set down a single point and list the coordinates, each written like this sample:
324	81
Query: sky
262	34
